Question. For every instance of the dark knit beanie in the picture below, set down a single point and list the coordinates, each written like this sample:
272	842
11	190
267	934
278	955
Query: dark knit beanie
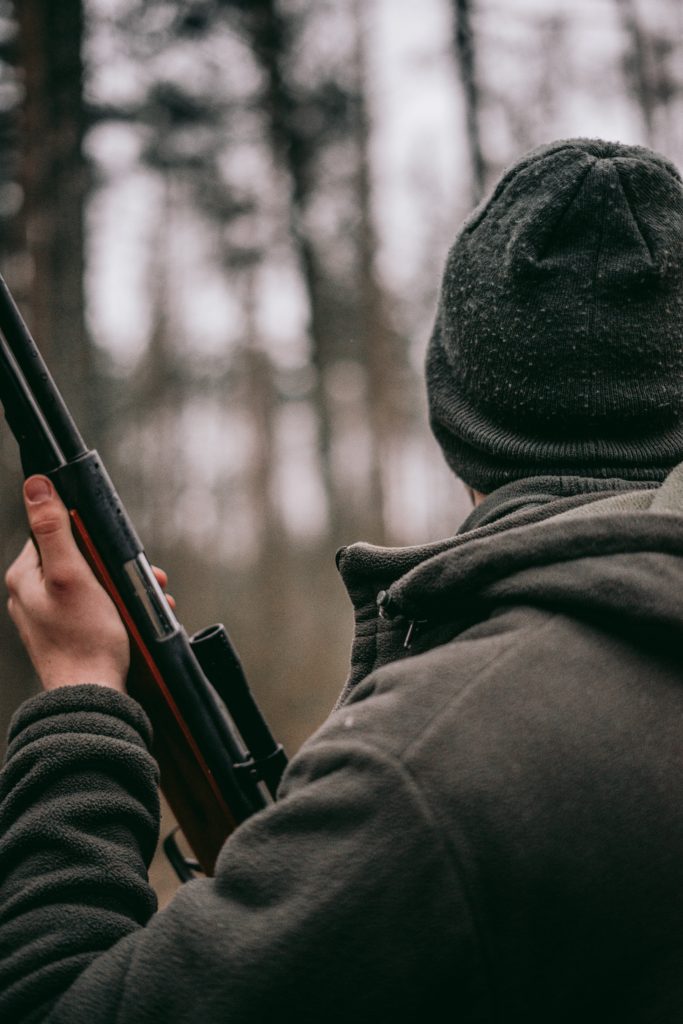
558	345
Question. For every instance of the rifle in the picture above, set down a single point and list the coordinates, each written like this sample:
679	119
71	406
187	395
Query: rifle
218	760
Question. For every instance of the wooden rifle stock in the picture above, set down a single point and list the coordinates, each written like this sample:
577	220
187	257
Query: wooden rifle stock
217	757
187	782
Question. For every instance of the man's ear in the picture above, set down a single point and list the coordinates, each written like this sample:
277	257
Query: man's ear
476	497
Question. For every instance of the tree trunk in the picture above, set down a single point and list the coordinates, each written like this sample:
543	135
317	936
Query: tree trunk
382	351
466	60
640	71
269	38
54	179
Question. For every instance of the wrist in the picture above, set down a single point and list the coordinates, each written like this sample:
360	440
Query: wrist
57	684
57	677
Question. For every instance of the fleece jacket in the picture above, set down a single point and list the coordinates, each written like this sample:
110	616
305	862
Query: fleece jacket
491	820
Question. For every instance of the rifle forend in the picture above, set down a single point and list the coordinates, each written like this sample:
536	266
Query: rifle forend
218	762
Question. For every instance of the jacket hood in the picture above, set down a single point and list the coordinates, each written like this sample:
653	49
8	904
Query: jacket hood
594	554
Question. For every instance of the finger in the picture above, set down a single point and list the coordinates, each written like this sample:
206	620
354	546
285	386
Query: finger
161	575
162	579
25	562
24	582
51	529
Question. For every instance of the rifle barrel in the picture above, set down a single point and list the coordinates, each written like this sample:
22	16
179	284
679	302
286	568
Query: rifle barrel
38	377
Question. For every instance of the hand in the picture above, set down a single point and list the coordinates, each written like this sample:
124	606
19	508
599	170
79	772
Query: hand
66	620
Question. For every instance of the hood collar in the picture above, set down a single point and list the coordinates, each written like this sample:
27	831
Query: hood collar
616	536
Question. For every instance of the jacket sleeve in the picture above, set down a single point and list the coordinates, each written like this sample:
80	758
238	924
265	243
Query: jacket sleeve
338	902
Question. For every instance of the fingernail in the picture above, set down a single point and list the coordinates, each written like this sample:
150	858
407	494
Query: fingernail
37	488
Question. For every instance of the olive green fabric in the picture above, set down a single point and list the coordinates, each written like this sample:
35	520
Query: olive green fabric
491	821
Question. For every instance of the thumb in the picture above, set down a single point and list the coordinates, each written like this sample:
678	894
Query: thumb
51	528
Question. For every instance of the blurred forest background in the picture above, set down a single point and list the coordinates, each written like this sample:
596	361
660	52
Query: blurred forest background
225	221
